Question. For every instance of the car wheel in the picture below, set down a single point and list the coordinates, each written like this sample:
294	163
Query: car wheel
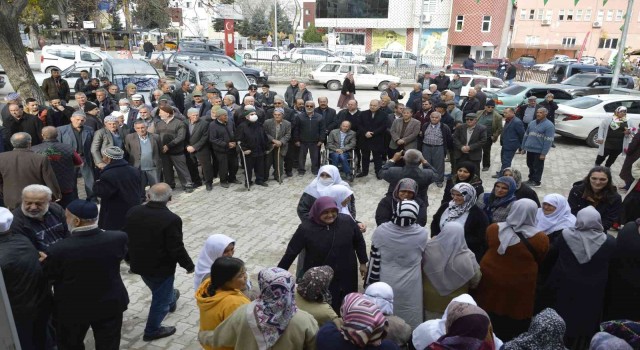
591	139
333	85
275	58
252	79
247	56
48	70
423	66
383	85
299	60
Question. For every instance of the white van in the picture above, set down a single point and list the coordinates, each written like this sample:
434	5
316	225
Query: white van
392	58
63	56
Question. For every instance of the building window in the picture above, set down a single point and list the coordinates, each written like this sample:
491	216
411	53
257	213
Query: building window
308	24
187	5
587	15
342	9
568	42
486	23
609	15
549	15
430	6
351	39
459	23
540	16
600	16
531	40
578	15
523	14
608	43
306	12
532	14
619	16
569	15
561	15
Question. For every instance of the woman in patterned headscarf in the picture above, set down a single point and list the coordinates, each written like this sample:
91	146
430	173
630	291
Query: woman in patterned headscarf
463	210
545	332
406	189
313	296
270	322
497	204
364	326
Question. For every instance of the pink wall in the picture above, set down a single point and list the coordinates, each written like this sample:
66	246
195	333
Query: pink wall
473	12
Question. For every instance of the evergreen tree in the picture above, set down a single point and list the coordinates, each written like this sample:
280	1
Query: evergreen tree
311	35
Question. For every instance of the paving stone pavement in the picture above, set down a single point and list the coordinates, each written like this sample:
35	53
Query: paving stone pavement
263	220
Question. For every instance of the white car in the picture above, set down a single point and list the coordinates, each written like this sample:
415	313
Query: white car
63	56
312	54
332	75
589	60
351	56
471	80
580	118
264	53
552	63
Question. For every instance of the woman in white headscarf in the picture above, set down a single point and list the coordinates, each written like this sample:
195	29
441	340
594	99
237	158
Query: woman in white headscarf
430	331
510	269
580	275
216	245
328	175
398	330
450	269
342	195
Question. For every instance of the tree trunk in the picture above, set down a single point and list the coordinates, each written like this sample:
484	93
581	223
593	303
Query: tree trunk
13	58
64	24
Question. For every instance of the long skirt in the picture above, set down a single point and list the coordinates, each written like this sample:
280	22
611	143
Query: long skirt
343	100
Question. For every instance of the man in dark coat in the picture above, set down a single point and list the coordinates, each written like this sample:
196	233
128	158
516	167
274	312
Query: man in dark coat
231	90
79	137
148	48
25	284
393	92
442	81
88	289
254	143
392	173
468	140
469	63
199	149
118	187
19	121
291	92
155	247
59	114
180	96
371	129
328	115
223	142
470	104
56	87
308	130
105	103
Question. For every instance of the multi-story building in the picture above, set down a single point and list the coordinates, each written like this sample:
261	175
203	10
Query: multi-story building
368	25
479	29
563	27
197	17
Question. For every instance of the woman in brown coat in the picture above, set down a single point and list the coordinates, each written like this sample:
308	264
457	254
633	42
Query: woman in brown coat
348	91
510	268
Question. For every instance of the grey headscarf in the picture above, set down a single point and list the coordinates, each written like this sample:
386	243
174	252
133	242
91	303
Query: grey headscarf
522	219
545	332
606	341
516	176
587	237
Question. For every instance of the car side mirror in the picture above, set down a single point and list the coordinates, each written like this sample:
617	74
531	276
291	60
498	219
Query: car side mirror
595	84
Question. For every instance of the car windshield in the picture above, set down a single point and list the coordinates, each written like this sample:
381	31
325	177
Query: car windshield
579	80
527	59
238	79
582	102
512	90
143	82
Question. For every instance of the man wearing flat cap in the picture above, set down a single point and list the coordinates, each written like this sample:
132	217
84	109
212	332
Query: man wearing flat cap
110	135
88	289
119	188
492	121
197	102
468	140
527	112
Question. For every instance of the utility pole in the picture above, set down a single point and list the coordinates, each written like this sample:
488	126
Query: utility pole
623	40
421	19
275	22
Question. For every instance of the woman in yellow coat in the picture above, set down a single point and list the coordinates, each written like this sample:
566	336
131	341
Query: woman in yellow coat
220	294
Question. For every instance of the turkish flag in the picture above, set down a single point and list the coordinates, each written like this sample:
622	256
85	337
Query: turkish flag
228	38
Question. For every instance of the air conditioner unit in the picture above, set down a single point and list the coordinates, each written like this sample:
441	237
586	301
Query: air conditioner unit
546	22
597	24
426	18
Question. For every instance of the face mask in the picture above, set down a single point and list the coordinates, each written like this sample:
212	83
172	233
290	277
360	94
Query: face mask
253	118
326	181
124	108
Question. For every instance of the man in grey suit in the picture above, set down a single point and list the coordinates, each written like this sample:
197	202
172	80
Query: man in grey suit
339	143
468	140
110	135
80	137
278	132
404	132
144	150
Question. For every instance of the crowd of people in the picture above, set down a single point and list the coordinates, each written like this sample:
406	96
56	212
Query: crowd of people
496	267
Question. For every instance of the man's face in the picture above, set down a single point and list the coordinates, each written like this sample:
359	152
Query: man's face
433	88
323	103
144	113
392	85
15	111
352	106
77	121
300	104
277	116
81	99
55	74
406	115
95	83
383	103
113	89
471	122
111	126
294	82
532	102
399	109
441	73
345	126
197	99
278	103
131	90
141	129
93	112
426	96
451	107
223	118
163	115
309	107
435	118
84	75
156	95
374	106
302	86
227	101
489	109
32	107
440	110
185	86
193	117
123	104
55	103
416	87
35	205
508	114
540	115
426	105
265	90
100	96
472	93
249	101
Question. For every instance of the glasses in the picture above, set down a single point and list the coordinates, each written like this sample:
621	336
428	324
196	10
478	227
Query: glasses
309	106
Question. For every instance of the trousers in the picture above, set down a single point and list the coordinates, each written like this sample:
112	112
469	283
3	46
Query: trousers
162	297
275	160
227	165
314	153
203	158
106	332
536	166
435	156
179	161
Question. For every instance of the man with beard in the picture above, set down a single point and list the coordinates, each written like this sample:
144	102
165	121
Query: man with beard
39	219
110	135
422	115
58	113
22	122
12	98
309	133
32	107
56	87
90	89
254	144
371	138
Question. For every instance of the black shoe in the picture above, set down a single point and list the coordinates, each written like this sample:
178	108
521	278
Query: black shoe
163	332
537	184
289	174
362	175
263	184
495	176
236	181
378	177
486	168
174	306
188	189
224	184
349	178
300	173
197	184
209	187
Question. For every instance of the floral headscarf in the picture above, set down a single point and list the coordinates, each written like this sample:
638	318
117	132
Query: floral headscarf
545	332
467	324
270	313
628	331
470	198
314	285
364	324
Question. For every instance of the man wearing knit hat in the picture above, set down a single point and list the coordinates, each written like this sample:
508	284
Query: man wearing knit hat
88	289
25	283
119	188
93	116
110	135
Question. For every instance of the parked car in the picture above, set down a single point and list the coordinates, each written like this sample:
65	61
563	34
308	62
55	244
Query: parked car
124	71
331	75
394	58
200	73
254	75
351	57
525	61
547	66
312	54
62	56
580	118
514	95
588	60
490	64
200	46
72	73
592	84
564	70
264	53
471	80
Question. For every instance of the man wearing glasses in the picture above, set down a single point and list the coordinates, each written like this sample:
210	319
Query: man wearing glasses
309	133
490	119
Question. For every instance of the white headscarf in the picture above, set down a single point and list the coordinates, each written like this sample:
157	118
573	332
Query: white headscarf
316	189
559	219
213	248
339	193
587	237
448	262
522	219
430	331
382	294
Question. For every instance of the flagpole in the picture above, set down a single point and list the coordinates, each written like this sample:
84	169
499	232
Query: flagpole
623	40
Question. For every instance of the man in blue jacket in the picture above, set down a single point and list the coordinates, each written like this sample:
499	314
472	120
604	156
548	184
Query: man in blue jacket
536	143
510	139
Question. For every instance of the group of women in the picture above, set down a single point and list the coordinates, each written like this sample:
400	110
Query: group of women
497	271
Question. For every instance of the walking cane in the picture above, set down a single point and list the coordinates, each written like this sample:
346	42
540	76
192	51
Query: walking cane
244	165
278	166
